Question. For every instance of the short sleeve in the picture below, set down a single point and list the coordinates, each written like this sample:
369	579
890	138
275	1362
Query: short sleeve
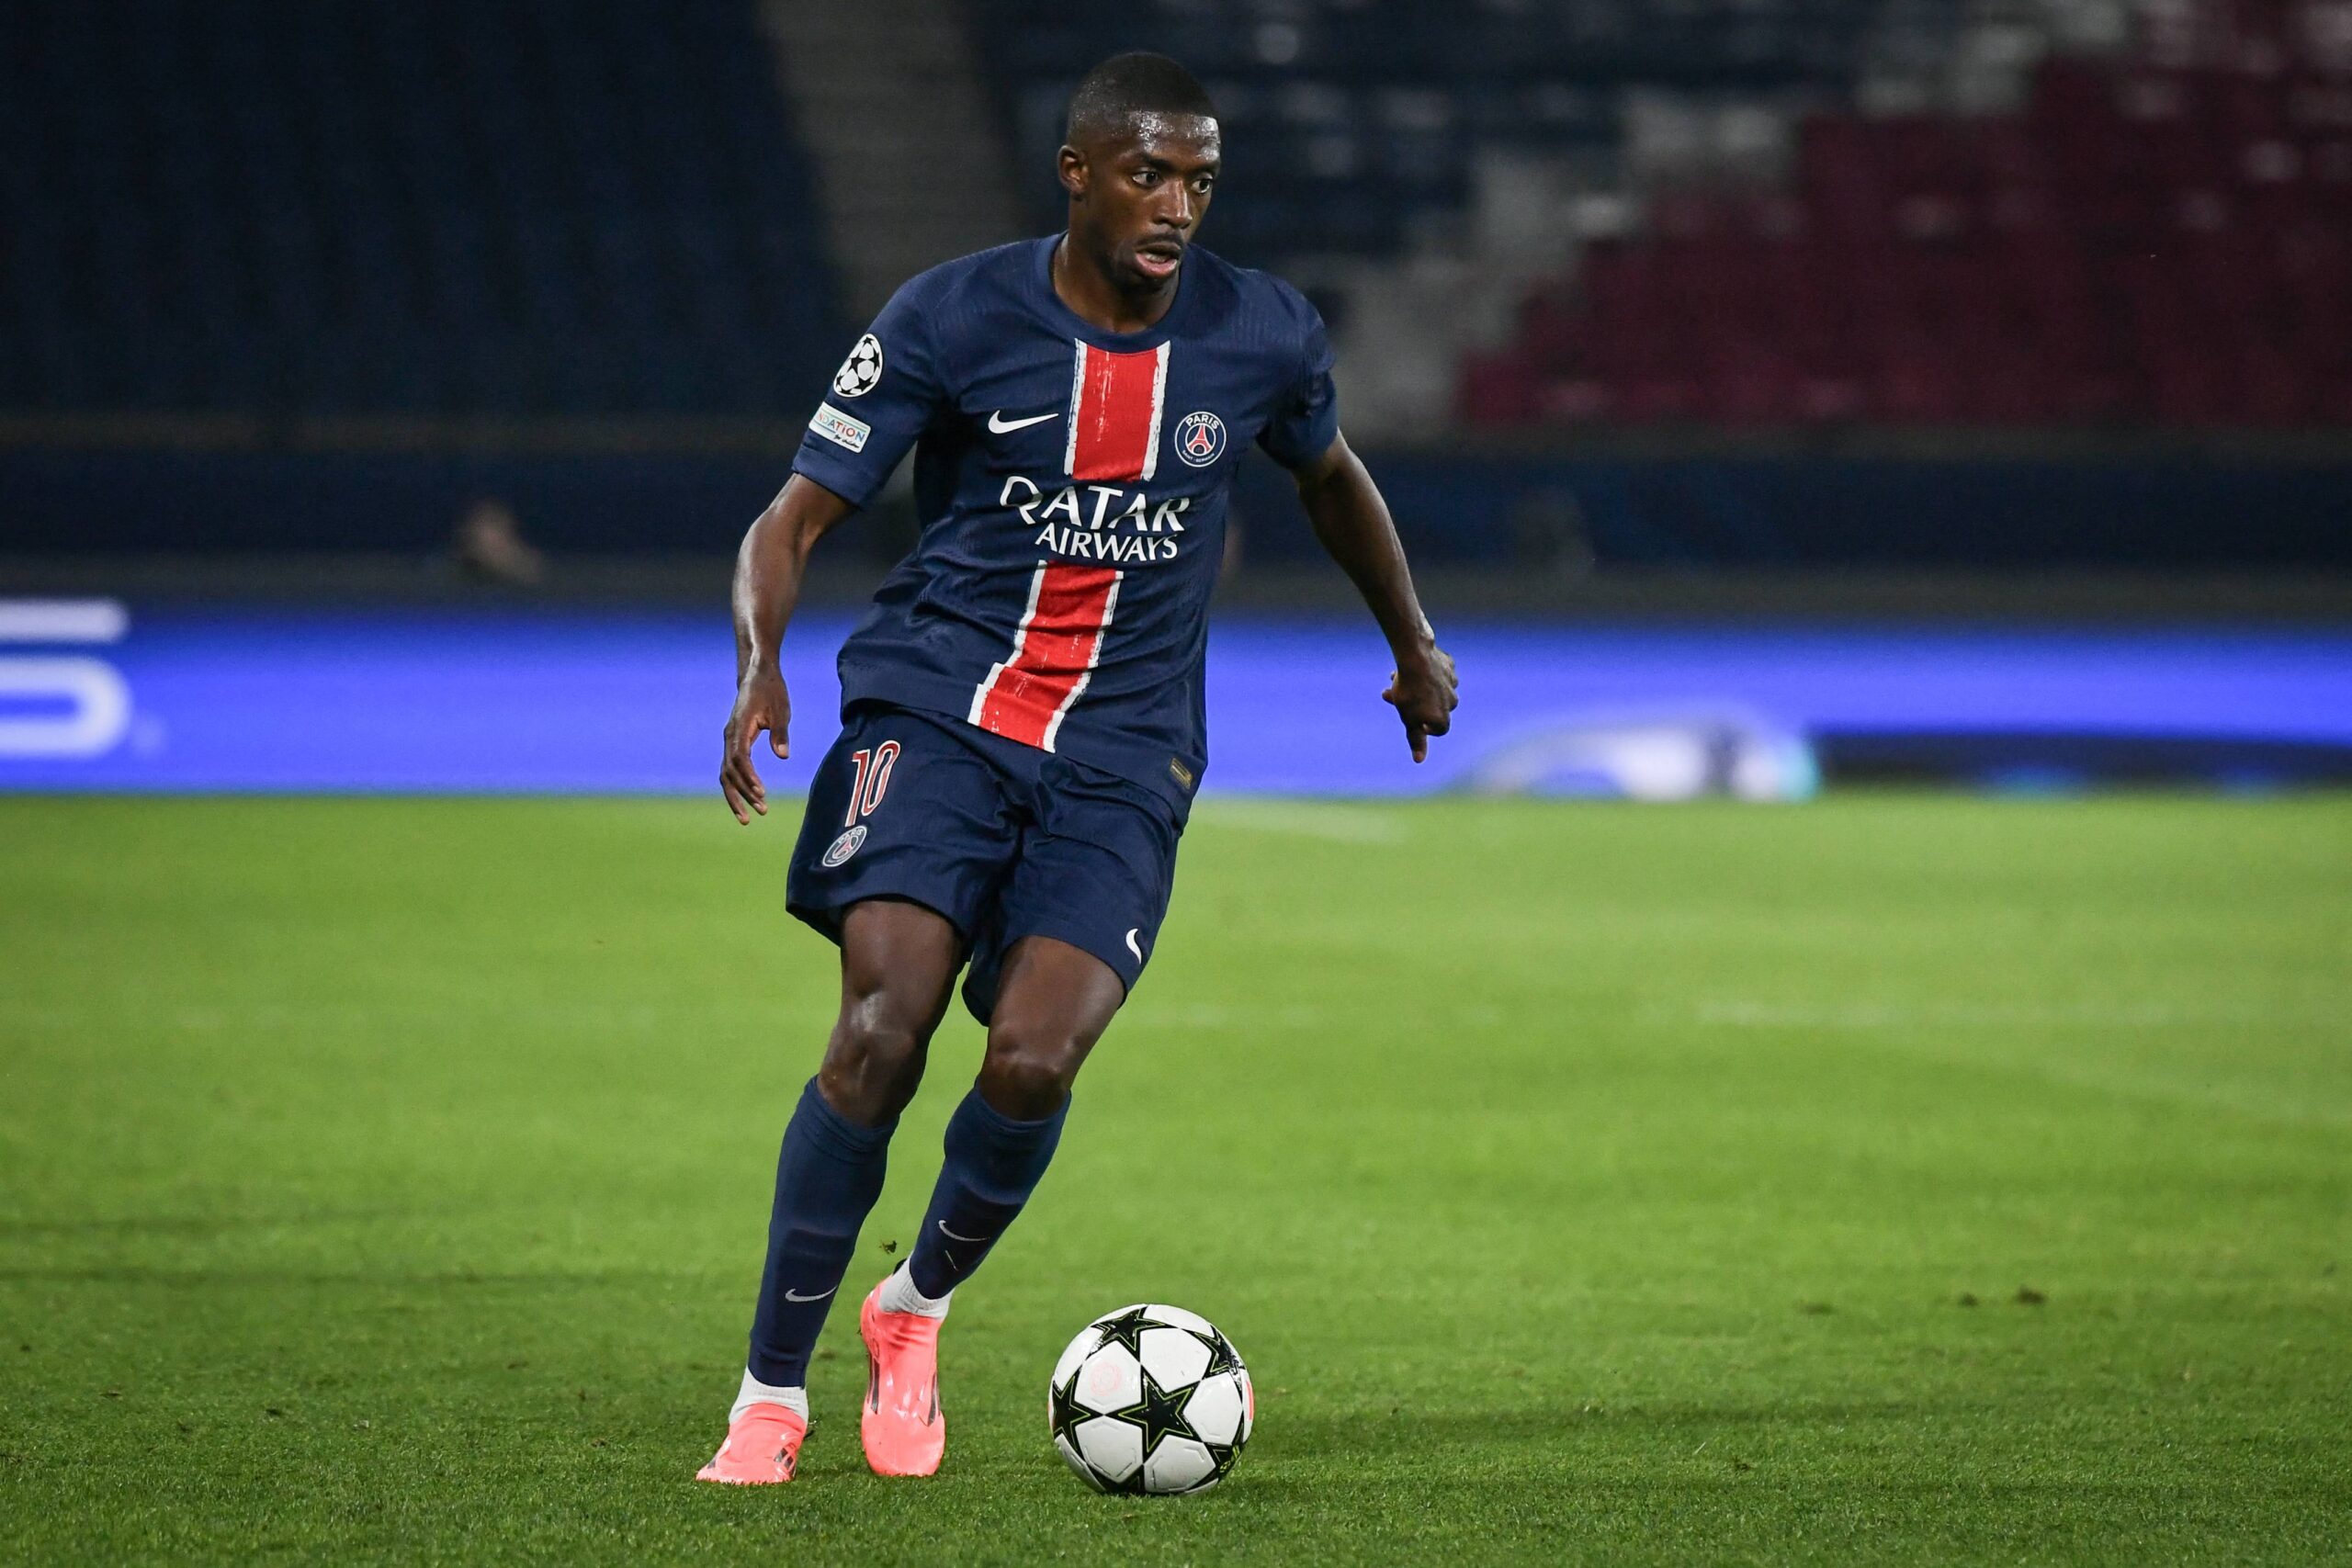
880	401
1306	419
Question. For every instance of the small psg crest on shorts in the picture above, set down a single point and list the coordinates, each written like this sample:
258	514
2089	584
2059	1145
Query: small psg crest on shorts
861	370
1199	439
846	846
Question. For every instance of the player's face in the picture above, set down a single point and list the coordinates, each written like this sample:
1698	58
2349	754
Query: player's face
1139	195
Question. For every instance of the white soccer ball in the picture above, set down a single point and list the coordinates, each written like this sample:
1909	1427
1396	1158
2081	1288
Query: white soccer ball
1151	1399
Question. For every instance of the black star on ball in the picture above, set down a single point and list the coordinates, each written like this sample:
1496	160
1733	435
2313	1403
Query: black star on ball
1160	1415
1126	1328
1067	1412
1221	1356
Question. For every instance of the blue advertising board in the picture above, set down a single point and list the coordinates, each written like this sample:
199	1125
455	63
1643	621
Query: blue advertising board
98	696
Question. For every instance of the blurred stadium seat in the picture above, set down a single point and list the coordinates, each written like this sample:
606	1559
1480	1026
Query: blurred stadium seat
1615	283
2142	243
2135	241
1360	122
496	207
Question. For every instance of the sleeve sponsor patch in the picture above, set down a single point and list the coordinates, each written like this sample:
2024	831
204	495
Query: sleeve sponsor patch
839	428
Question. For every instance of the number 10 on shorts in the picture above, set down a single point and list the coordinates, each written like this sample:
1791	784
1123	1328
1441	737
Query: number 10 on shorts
873	778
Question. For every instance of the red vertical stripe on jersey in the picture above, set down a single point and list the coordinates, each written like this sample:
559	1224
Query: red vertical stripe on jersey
1115	412
1025	697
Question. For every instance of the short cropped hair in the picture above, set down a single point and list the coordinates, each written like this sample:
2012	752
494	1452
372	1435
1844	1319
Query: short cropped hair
1134	84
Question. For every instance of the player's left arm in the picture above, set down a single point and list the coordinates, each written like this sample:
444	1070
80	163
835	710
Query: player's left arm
1353	522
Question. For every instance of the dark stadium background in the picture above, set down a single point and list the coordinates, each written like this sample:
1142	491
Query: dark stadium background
1936	411
1683	319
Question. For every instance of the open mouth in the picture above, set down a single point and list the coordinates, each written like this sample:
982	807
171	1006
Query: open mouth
1159	258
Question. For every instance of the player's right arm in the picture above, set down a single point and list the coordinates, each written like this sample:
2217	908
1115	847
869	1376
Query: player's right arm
768	571
881	400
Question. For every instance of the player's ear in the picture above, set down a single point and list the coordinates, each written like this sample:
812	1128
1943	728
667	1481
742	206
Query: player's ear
1070	165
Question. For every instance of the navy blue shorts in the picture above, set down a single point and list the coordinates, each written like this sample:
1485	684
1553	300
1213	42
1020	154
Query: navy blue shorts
1003	840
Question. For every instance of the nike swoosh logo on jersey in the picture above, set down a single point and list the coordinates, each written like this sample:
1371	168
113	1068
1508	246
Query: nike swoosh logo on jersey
793	1295
998	424
1131	942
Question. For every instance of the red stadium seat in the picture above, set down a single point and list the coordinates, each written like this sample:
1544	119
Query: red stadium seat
2161	243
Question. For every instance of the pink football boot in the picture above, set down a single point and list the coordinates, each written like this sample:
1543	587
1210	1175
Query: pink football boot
763	1447
902	1427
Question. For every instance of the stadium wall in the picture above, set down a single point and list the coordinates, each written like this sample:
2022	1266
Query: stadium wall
603	492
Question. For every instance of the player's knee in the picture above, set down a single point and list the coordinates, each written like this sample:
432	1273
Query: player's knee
1028	1071
875	1061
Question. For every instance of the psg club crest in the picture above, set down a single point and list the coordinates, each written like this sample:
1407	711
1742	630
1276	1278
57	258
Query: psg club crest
1199	439
861	370
845	846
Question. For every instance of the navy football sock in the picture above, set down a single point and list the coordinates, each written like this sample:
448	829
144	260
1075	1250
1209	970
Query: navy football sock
993	1164
827	1177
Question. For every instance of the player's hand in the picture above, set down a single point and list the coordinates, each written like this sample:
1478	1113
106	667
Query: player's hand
761	703
1424	692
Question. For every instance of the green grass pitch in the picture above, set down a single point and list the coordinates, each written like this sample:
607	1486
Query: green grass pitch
1898	1177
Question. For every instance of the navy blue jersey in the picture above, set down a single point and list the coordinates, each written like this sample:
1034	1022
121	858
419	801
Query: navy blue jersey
1072	485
